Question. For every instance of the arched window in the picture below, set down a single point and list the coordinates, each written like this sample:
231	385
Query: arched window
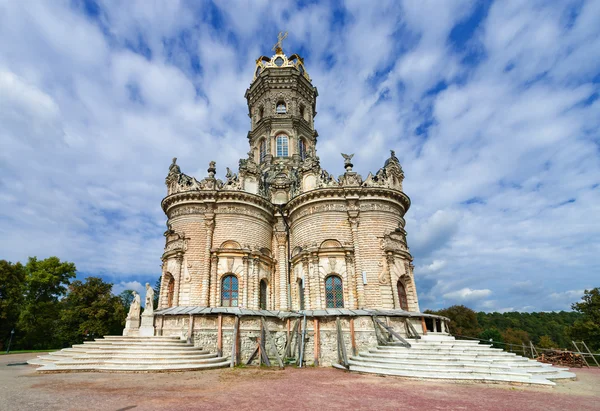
281	109
263	294
402	296
302	110
261	112
229	291
302	149
282	145
170	292
301	293
334	292
263	149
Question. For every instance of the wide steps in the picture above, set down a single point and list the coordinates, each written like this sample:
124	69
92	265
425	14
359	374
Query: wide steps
455	360
130	354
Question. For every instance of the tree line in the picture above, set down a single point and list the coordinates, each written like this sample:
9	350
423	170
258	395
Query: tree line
47	308
543	329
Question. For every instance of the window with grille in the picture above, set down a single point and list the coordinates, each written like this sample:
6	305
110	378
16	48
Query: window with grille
263	150
229	291
263	294
402	296
281	109
302	149
301	293
282	146
334	292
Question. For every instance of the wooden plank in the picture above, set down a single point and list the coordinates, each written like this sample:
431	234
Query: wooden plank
272	342
220	335
424	325
234	342
254	353
288	345
391	331
341	345
190	338
353	337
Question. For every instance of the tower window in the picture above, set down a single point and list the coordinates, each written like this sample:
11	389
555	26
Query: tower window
334	292
302	110
282	146
263	150
229	291
263	294
260	113
302	149
281	109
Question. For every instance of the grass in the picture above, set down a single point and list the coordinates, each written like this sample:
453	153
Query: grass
28	351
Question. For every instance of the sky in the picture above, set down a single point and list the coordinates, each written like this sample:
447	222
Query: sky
492	108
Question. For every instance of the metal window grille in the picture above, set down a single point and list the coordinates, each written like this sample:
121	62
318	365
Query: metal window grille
334	292
281	109
263	150
282	146
263	295
302	149
402	296
229	291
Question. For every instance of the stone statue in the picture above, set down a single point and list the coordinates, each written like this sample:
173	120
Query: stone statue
149	307
347	158
174	168
135	307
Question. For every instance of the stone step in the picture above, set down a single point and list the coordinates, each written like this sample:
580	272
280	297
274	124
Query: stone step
445	357
439	369
127	362
446	347
434	364
53	368
142	357
127	338
449	351
131	351
463	376
174	343
134	347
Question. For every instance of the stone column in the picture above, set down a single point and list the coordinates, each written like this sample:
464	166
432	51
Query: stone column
246	262
256	282
164	290
306	284
282	260
317	285
350	274
209	222
177	278
360	287
214	265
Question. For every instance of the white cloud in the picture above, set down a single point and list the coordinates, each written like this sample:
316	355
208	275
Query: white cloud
467	295
129	285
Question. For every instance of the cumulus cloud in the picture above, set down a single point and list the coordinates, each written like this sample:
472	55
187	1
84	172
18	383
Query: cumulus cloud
491	107
467	295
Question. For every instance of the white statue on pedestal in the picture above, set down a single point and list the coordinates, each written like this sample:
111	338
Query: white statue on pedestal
149	307
135	307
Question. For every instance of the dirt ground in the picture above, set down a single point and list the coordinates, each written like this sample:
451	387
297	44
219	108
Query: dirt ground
252	388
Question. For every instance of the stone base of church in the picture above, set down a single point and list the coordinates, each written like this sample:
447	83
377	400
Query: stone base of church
147	327
213	329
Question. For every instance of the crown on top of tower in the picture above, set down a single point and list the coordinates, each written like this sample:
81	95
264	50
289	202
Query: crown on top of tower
280	60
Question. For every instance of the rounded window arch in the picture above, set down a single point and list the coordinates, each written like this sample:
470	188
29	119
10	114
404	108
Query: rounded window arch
281	108
170	284
282	145
262	300
262	150
229	291
402	295
334	292
302	148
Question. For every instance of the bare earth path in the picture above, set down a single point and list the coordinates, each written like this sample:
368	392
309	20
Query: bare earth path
271	389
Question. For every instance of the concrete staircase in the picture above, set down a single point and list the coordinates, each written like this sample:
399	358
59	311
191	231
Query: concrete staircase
130	354
443	357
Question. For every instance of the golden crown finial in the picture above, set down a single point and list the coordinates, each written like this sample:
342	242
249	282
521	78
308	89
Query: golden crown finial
278	46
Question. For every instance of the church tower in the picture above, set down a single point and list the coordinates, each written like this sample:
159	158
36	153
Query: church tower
282	106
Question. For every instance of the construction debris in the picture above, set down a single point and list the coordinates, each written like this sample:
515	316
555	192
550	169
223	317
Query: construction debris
567	358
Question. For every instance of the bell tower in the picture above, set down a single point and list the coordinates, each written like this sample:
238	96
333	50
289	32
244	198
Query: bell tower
282	106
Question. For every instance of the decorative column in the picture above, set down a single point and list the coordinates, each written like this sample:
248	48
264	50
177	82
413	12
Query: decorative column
282	260
214	265
256	280
306	284
360	287
317	283
351	280
179	260
164	290
246	262
209	222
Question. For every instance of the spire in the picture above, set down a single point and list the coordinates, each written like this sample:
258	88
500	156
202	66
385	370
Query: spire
278	47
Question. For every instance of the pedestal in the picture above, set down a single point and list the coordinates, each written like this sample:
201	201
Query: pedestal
147	327
132	327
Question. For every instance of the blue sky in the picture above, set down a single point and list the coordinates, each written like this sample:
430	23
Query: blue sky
491	107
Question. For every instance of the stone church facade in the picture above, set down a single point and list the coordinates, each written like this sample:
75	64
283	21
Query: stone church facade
283	233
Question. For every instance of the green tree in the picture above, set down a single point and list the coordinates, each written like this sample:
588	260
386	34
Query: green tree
516	337
90	310
463	320
156	292
45	284
546	342
588	327
12	285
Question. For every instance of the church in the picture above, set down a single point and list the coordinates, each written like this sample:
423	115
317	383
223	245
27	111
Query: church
283	263
282	233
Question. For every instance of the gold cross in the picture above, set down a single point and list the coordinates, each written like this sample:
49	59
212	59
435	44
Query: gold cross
280	37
